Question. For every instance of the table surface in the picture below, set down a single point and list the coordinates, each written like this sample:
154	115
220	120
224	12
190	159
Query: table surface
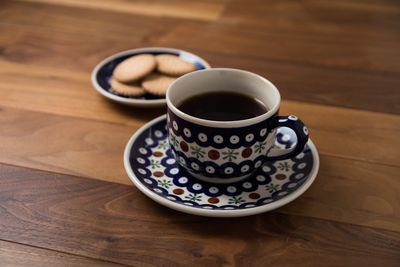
65	199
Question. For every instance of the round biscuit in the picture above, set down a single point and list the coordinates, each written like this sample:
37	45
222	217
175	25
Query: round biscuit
135	68
173	65
157	84
126	89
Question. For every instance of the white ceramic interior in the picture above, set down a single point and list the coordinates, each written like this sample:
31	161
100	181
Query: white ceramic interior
223	80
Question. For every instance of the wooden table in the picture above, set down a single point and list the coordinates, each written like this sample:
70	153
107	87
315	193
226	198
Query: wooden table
65	199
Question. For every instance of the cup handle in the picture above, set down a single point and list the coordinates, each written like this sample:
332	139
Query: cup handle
299	129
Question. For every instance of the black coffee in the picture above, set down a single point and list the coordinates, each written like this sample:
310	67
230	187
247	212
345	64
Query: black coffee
222	106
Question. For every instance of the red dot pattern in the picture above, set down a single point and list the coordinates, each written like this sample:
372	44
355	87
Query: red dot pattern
184	146
213	154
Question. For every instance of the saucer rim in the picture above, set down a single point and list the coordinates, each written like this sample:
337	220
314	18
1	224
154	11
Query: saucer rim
132	101
215	213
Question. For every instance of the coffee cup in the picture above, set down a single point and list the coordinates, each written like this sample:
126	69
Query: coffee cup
227	151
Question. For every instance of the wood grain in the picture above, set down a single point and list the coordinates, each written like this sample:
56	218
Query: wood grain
70	21
318	66
353	192
94	149
67	145
201	10
323	51
359	132
63	49
335	63
13	254
353	134
65	92
372	20
303	67
120	224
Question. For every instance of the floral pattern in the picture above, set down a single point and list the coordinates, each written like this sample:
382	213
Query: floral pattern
230	154
156	168
193	197
283	166
236	200
197	152
259	147
165	183
272	187
173	140
154	164
163	144
204	153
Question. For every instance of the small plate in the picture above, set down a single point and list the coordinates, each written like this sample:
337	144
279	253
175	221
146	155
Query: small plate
102	74
151	166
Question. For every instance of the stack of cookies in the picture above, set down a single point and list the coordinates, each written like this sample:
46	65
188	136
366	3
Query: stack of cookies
147	73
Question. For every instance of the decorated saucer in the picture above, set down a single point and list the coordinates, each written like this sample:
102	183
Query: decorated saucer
102	75
150	164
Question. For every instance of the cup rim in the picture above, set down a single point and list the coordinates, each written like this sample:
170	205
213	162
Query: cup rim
223	124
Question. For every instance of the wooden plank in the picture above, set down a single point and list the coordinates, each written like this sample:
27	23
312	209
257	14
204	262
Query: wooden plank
354	19
93	218
117	223
353	192
324	51
318	68
82	23
62	50
94	149
66	93
67	145
325	86
199	10
13	254
352	134
337	92
307	70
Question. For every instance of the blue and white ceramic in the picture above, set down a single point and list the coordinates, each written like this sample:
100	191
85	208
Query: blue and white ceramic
102	74
151	165
227	151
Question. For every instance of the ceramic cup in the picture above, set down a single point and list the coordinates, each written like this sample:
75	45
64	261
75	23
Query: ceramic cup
227	151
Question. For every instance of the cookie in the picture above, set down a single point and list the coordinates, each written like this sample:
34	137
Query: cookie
135	68
173	65
157	84
126	89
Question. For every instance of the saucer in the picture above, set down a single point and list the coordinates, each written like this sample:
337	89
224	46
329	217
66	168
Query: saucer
151	166
102	74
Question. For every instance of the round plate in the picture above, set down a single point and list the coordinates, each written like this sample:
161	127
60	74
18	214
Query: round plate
102	74
151	166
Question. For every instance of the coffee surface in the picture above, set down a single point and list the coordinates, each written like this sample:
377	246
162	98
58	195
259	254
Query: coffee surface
222	106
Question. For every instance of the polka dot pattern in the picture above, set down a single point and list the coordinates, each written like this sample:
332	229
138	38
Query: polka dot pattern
159	172
228	170
202	145
263	132
203	137
158	133
195	166
245	168
234	139
218	137
213	154
249	137
175	125
210	169
187	132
